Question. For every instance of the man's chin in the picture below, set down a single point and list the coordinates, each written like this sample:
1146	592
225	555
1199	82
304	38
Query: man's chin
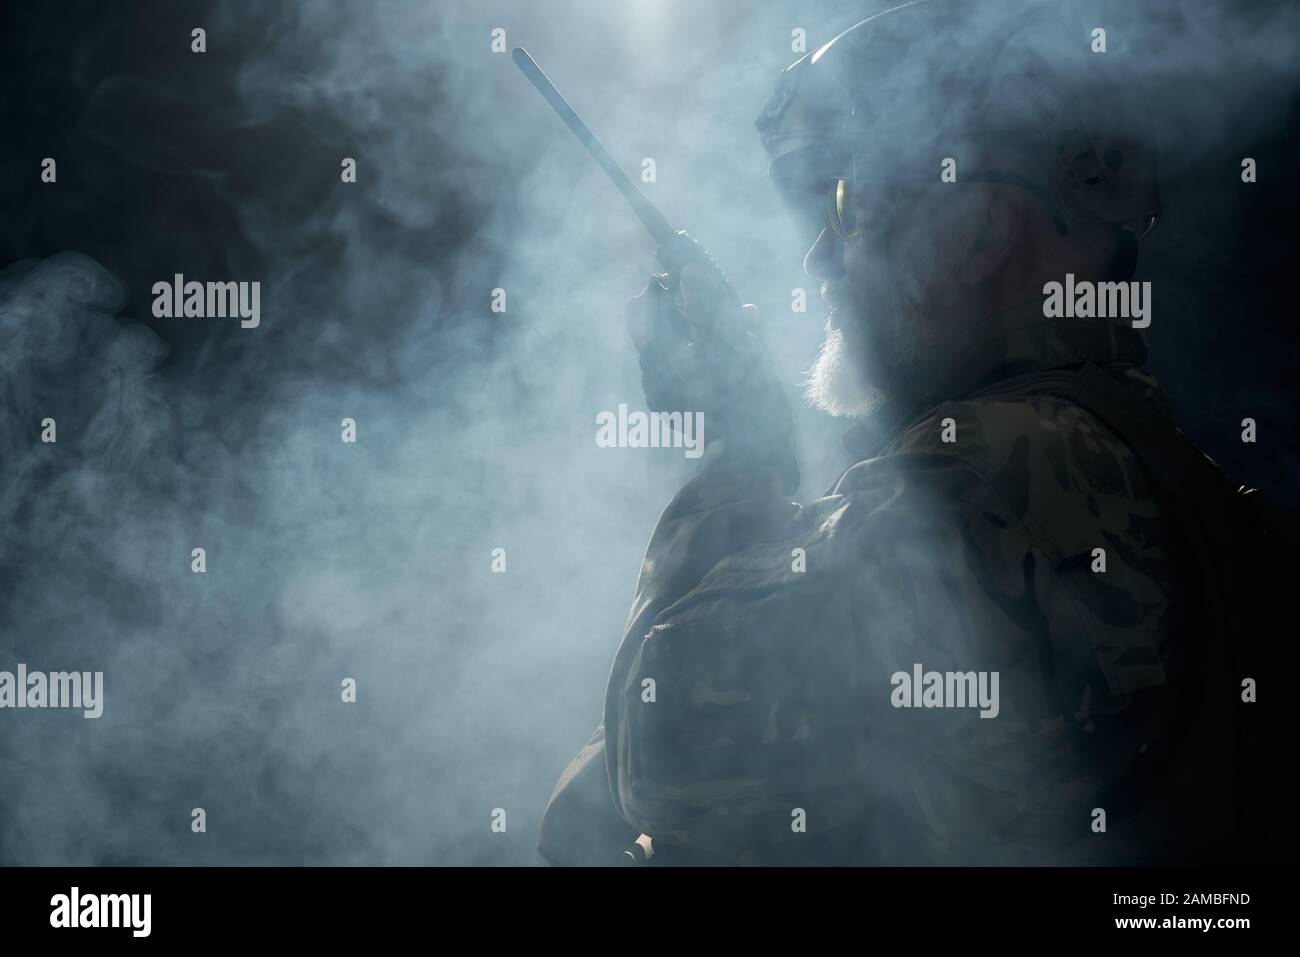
835	384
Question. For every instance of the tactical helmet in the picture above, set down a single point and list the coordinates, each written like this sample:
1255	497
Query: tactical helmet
895	94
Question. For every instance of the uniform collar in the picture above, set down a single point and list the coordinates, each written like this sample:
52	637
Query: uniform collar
1033	346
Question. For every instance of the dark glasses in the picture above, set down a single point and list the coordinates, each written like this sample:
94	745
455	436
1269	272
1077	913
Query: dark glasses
846	209
841	213
846	201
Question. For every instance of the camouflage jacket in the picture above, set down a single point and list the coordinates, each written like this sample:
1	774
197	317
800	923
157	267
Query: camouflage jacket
752	712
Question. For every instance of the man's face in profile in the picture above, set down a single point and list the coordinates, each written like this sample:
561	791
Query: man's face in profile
886	266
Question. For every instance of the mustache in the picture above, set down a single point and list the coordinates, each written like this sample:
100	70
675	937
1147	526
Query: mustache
834	294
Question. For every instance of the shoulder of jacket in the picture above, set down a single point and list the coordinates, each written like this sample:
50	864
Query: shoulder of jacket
997	435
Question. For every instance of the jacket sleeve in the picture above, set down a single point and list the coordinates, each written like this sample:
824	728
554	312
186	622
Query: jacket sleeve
726	507
580	826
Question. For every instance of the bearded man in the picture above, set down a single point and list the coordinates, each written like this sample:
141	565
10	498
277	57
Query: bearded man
816	684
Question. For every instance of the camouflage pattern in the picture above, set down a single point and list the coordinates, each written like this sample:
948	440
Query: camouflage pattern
772	685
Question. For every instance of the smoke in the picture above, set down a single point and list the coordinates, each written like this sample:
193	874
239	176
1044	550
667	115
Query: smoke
475	429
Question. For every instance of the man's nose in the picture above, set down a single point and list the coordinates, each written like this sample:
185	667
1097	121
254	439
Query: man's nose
825	260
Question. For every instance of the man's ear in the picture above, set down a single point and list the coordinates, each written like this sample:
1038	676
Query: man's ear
1001	221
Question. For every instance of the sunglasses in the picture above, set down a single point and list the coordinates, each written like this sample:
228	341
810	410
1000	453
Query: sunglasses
846	206
848	202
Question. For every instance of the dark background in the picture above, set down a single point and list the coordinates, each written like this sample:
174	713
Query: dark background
475	429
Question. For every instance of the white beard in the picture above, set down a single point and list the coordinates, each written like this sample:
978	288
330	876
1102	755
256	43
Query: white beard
835	382
847	382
